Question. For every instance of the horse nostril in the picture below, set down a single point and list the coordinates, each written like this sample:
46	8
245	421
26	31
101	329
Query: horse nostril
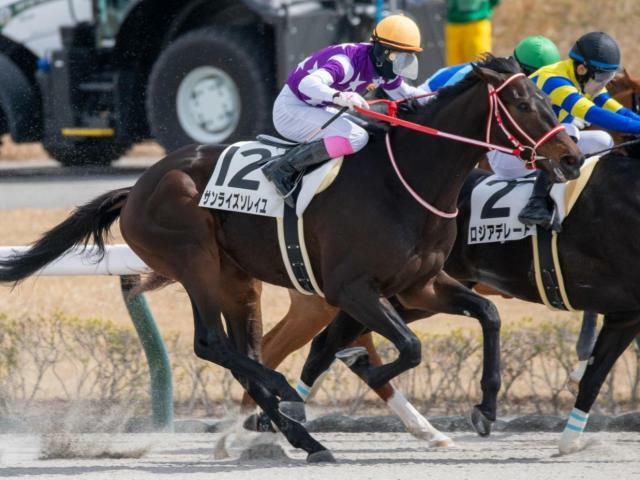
572	160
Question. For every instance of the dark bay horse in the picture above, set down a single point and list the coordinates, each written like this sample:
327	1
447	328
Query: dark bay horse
597	247
367	239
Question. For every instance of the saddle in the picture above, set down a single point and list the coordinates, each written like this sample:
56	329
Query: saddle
276	142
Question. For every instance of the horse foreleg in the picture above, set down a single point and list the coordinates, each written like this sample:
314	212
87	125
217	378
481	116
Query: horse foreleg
446	295
415	423
618	331
359	300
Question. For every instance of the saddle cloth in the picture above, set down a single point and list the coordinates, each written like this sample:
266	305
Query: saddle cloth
496	203
238	184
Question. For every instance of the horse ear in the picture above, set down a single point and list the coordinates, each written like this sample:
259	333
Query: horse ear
489	76
624	74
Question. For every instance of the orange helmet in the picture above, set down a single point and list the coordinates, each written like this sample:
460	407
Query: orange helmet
397	32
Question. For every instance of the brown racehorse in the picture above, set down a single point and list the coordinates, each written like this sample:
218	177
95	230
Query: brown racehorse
367	239
308	315
596	249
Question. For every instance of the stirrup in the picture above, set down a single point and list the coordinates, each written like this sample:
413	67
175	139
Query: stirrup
556	226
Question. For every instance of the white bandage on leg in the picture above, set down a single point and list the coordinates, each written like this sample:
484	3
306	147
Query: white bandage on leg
303	390
308	392
570	439
416	424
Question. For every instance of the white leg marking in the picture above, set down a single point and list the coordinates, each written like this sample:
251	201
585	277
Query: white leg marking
416	424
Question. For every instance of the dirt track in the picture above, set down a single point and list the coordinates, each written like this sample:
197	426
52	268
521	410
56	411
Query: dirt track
529	456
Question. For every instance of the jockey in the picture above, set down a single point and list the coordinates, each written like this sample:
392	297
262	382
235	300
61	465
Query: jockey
340	75
576	87
531	53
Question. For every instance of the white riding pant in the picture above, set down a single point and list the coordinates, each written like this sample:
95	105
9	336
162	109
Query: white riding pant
589	141
297	121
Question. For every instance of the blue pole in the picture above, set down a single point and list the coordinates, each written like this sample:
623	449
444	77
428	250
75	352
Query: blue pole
155	351
379	10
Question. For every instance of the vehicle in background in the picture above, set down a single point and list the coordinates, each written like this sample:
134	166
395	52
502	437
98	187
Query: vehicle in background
89	78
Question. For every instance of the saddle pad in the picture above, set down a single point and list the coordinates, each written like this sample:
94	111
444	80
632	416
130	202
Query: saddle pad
496	203
238	184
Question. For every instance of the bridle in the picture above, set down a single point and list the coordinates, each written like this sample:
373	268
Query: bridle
496	111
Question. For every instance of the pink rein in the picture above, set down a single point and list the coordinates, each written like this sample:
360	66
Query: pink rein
495	108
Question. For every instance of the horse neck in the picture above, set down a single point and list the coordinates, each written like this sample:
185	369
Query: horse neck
439	174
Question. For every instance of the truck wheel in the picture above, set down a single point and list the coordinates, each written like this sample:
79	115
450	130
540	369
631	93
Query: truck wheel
86	152
212	85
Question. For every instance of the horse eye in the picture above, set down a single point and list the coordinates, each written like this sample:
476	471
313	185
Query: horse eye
524	106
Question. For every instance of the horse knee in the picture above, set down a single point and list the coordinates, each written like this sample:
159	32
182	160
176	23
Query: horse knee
411	352
490	316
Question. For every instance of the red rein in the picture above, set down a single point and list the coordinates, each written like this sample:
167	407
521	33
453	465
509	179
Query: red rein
496	108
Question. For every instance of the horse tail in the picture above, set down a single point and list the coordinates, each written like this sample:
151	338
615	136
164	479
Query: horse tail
89	222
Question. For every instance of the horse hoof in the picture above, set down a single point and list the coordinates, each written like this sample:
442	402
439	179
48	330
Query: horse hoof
481	424
263	451
574	447
220	450
293	411
351	355
258	422
440	440
322	456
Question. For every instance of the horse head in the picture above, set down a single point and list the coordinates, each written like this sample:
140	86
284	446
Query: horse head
626	89
529	117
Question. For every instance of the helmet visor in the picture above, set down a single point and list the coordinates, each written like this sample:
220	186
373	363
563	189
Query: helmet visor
405	64
604	76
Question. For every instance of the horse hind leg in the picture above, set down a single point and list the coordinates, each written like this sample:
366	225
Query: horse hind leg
618	331
211	343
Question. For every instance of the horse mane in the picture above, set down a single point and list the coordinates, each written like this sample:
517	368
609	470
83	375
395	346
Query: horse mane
445	94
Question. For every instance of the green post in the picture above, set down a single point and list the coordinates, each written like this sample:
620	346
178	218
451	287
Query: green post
638	342
155	351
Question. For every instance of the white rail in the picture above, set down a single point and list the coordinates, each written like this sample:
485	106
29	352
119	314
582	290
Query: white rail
118	260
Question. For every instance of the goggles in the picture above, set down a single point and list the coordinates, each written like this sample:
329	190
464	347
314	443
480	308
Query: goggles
404	64
603	76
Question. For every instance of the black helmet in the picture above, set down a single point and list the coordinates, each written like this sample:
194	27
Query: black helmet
598	50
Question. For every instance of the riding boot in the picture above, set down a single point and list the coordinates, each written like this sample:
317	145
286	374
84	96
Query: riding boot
284	171
539	210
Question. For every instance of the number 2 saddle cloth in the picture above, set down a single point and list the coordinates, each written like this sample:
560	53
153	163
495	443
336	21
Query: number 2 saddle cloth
495	205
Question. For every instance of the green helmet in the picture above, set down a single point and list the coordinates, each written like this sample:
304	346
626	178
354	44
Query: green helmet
535	52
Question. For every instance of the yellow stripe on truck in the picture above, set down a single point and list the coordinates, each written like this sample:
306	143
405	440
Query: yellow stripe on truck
88	132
